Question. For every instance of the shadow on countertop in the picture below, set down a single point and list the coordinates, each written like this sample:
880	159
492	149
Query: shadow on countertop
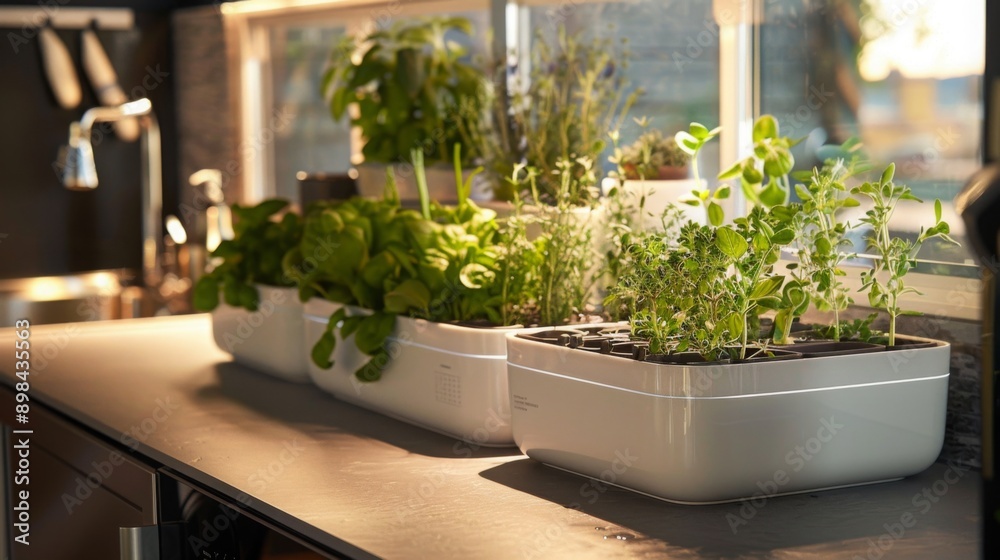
842	523
304	404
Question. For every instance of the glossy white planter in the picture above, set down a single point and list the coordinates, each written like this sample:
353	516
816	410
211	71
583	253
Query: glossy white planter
269	339
660	195
440	182
446	378
709	434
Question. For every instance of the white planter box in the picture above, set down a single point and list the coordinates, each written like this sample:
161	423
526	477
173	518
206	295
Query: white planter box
269	339
709	434
446	378
440	182
659	195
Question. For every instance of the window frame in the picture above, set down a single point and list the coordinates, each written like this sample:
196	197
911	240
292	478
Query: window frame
247	23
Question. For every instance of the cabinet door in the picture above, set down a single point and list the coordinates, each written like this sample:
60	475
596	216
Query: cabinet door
80	489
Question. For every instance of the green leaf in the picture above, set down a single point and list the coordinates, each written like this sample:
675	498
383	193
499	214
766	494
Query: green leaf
715	214
206	294
372	369
722	192
408	296
373	331
732	172
698	130
772	195
888	174
769	302
823	246
779	163
732	244
323	349
937	210
766	287
766	127
783	236
736	324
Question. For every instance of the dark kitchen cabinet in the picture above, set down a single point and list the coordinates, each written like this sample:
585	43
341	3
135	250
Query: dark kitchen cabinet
79	488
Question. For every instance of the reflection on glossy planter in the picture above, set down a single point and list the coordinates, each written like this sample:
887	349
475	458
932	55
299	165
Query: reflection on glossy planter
447	378
707	433
269	339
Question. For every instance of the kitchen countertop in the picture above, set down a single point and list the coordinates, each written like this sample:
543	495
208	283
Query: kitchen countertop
361	484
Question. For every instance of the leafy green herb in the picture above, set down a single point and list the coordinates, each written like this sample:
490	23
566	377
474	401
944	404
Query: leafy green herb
896	256
253	256
412	89
821	240
439	264
764	173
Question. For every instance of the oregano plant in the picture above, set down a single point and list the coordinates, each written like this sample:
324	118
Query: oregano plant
822	242
764	174
895	256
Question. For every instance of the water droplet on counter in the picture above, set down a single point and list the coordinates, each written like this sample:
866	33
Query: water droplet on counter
619	536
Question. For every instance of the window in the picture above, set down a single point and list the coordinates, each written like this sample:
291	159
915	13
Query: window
673	50
283	50
903	76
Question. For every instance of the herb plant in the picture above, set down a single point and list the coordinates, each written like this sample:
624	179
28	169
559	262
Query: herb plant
671	290
692	141
412	89
438	263
754	245
821	243
253	256
764	174
562	247
895	255
651	156
575	95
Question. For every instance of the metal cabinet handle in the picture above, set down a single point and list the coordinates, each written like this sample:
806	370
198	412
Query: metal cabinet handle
139	543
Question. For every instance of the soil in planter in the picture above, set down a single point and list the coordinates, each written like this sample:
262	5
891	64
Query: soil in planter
559	337
683	358
910	345
769	354
821	348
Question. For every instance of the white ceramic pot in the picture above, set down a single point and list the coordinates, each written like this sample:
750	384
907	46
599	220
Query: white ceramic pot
269	339
447	378
708	434
440	182
658	196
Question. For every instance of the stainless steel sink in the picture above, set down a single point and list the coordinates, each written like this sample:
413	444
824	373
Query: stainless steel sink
92	296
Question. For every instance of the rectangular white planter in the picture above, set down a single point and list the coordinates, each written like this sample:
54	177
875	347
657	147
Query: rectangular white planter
709	434
269	339
447	378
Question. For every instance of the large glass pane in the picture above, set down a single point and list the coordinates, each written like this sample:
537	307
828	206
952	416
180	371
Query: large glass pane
307	139
673	55
903	76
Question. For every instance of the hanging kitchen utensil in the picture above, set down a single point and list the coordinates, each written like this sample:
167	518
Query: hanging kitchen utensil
104	80
59	68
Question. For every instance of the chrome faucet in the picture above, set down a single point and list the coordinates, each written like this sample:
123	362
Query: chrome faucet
79	173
